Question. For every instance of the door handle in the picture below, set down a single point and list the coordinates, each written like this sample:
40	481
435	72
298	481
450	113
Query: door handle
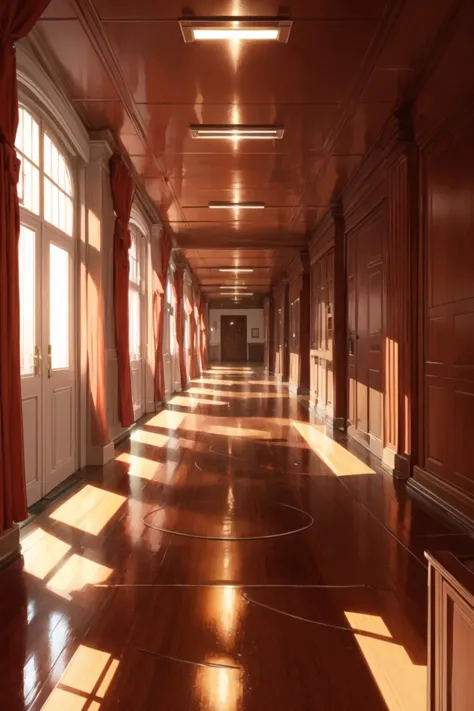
37	361
351	345
50	361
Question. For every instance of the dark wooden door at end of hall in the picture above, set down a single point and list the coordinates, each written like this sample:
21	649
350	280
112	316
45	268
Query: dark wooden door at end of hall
233	338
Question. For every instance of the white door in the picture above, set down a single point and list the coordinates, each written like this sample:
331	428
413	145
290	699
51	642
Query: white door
47	356
47	308
29	253
59	375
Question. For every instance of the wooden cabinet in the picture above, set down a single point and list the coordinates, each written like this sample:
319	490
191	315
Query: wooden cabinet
450	633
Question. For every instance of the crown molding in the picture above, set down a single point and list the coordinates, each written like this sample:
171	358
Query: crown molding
38	79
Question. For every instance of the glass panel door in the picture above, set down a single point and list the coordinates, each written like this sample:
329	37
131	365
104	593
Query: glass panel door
59	373
29	267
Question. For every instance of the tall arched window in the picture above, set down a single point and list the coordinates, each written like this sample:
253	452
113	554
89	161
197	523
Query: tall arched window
47	306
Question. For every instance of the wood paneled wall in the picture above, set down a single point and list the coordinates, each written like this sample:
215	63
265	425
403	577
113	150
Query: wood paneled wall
281	329
299	323
400	333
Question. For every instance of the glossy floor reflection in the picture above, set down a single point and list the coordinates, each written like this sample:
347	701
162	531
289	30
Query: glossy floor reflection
233	557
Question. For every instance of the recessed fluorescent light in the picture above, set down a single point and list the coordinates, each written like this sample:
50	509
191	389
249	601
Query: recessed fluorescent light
237	270
233	287
217	205
231	132
200	29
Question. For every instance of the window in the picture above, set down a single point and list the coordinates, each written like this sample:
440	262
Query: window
57	188
26	264
134	298
59	306
27	146
50	167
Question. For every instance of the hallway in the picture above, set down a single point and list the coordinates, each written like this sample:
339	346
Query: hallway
232	557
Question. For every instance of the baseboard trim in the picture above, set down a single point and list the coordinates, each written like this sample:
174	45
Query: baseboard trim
9	545
450	500
99	456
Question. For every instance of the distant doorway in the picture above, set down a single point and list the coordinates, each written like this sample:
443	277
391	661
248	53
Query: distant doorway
233	338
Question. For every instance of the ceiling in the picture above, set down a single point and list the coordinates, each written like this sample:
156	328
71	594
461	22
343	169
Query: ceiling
125	66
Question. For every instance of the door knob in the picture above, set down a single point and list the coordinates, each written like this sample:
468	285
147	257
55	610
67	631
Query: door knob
37	361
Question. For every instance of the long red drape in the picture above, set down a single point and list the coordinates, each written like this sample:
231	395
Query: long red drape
202	313
122	196
179	323
159	315
17	18
192	338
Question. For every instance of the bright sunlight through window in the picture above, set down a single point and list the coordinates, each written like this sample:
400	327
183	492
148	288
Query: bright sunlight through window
57	188
27	146
27	261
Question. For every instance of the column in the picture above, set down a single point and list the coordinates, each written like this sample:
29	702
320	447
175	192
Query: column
401	157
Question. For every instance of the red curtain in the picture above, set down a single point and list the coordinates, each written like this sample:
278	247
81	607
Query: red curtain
122	196
159	315
192	338
202	313
197	332
179	322
17	18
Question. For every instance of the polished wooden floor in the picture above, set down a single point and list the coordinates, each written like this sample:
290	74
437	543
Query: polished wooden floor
233	557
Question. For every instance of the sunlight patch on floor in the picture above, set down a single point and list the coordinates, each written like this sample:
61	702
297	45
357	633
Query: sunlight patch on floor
337	458
84	682
216	381
89	510
167	419
401	682
203	423
42	552
155	439
193	402
139	466
75	574
240	395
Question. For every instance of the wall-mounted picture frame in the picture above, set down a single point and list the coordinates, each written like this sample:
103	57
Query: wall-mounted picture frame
255	332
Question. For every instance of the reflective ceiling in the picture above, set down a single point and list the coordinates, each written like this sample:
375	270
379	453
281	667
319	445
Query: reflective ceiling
126	67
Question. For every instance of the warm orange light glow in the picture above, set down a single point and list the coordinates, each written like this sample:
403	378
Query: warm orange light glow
139	466
155	439
167	419
219	689
216	381
338	459
84	683
89	510
193	402
240	395
76	573
230	369
401	682
202	423
42	552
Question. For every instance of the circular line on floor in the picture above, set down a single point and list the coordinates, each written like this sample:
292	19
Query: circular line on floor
233	538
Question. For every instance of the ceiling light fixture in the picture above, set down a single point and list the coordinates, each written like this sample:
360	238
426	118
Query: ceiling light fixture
199	29
218	205
237	270
232	131
233	287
